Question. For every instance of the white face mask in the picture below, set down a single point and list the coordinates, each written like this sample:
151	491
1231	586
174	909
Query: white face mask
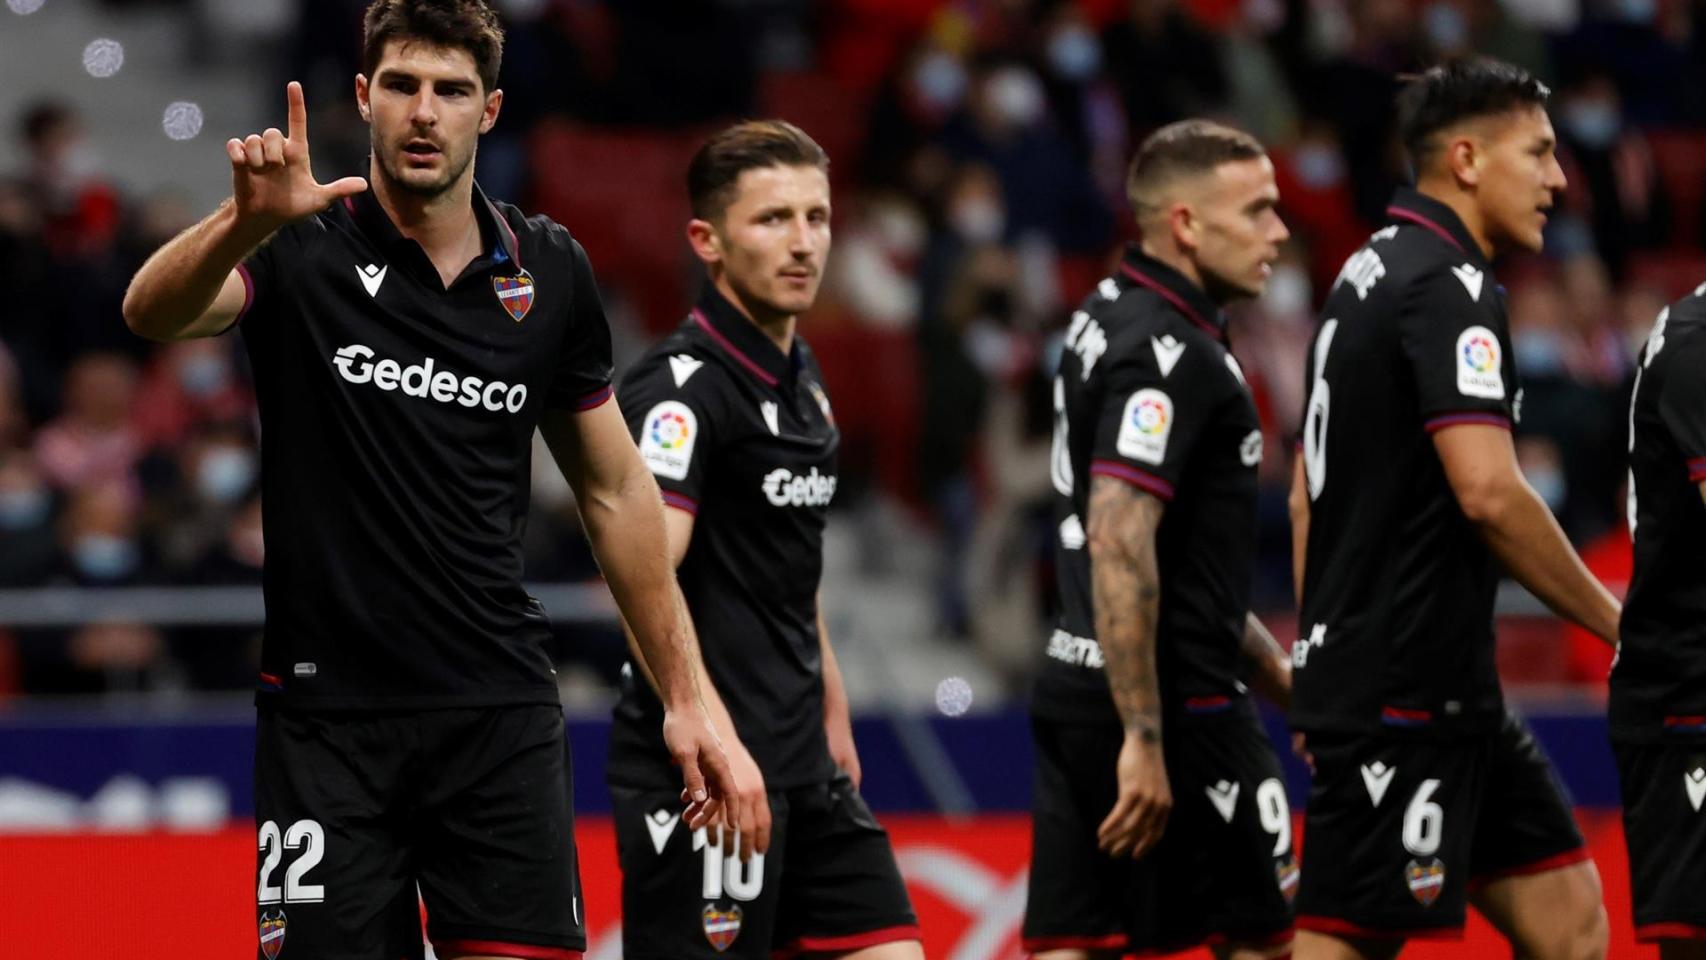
940	81
1016	97
1074	53
1287	290
224	475
978	221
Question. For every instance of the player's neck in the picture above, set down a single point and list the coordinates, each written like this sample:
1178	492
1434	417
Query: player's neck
1461	203
777	328
443	224
1173	257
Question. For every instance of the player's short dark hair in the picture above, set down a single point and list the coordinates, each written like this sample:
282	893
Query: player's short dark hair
1185	148
468	25
1463	89
749	145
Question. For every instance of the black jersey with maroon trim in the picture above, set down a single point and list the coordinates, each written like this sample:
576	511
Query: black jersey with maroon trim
1658	688
397	419
741	436
1149	394
1398	586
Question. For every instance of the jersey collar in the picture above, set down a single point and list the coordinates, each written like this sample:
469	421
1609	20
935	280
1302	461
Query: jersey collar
1175	288
1410	207
741	339
502	249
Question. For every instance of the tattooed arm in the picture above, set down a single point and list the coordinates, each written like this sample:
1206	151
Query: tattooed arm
1126	594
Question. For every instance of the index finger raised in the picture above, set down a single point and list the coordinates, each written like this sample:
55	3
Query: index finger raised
298	112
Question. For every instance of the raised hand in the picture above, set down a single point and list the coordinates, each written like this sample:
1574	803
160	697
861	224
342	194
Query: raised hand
270	178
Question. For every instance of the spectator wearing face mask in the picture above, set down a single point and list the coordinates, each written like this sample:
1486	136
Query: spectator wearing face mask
1045	188
215	471
192	383
1615	183
225	657
93	441
100	541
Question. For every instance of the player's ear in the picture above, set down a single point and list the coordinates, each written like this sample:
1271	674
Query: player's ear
707	244
1463	157
494	103
361	100
1187	230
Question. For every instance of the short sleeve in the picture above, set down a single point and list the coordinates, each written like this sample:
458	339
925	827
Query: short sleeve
1457	349
260	271
1150	422
673	427
1682	407
584	367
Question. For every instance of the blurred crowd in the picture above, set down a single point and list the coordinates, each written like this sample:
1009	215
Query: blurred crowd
978	156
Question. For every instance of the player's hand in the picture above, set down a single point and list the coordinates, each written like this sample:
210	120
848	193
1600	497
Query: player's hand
693	745
747	814
1140	814
270	178
841	749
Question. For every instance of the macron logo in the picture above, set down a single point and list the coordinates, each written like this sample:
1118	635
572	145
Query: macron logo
683	366
660	824
1224	796
371	277
1377	777
1168	350
1471	279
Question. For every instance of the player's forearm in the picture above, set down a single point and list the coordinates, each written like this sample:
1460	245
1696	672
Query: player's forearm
1270	667
625	528
835	706
714	706
1126	594
180	281
1527	539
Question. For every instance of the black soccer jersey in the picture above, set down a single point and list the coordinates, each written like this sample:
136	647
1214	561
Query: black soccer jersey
1149	394
1658	687
1398	588
397	419
741	436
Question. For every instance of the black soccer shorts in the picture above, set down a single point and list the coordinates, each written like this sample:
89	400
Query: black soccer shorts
1223	871
1400	830
1664	823
473	805
828	884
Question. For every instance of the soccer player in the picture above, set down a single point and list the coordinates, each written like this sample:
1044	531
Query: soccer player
1658	687
406	341
731	415
1406	501
1160	820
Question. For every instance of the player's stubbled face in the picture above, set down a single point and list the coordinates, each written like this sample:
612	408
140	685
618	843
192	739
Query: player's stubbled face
1520	177
1241	228
427	109
774	236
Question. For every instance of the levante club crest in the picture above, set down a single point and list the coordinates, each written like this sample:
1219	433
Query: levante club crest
272	933
515	293
721	926
1426	879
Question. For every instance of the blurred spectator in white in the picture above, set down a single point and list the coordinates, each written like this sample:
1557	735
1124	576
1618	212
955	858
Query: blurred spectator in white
875	274
93	441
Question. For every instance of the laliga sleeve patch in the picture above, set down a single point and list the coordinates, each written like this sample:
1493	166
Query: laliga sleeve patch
1480	371
1145	426
666	440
